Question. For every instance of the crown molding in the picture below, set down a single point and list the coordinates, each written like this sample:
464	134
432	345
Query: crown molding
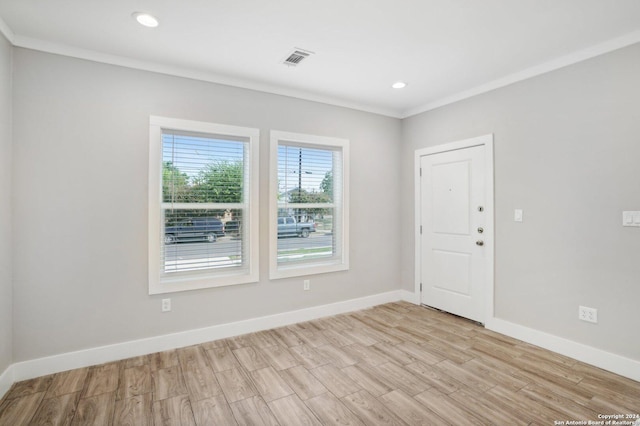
6	31
561	62
127	62
91	55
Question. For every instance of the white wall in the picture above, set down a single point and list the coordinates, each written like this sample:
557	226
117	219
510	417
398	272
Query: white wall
6	307
567	152
80	208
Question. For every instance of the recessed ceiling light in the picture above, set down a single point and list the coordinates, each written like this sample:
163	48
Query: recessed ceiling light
399	85
145	19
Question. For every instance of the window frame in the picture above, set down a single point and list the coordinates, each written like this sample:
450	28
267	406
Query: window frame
313	267
185	281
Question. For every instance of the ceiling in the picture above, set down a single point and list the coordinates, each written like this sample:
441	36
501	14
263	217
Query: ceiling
444	49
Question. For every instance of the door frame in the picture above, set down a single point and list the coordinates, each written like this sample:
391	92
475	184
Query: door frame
489	233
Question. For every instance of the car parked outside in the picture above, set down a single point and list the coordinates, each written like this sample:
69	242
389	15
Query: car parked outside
196	229
287	226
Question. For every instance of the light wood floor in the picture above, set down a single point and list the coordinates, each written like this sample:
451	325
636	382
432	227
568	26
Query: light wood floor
394	364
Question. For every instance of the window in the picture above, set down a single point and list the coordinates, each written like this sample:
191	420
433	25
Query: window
203	193
309	207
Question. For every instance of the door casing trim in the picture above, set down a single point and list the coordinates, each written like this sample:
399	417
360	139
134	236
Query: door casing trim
489	232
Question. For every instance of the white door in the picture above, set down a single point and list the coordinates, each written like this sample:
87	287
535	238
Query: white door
453	217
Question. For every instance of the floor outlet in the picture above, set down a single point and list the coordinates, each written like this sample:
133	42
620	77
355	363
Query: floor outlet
588	314
166	305
307	285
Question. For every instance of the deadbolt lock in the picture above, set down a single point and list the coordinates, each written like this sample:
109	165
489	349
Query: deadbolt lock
480	208
480	230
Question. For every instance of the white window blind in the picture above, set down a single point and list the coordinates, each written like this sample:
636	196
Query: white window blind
203	181
308	193
204	217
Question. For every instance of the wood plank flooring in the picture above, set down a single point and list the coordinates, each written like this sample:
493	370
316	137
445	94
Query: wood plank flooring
395	364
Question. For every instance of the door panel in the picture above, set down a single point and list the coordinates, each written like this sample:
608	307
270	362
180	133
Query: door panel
452	271
451	194
452	264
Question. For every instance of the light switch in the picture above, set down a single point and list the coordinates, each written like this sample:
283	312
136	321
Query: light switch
517	215
631	218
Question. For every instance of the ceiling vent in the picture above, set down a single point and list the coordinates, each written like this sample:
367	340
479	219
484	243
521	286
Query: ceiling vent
296	57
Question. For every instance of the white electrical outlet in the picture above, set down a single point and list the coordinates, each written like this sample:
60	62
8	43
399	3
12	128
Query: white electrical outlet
307	285
588	314
631	218
517	215
166	305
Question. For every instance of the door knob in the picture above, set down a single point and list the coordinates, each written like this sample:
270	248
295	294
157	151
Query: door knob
480	243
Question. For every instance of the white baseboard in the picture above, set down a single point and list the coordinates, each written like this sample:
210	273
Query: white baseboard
410	296
84	358
618	364
6	380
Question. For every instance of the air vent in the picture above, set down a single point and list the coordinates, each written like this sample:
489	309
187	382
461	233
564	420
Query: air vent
296	57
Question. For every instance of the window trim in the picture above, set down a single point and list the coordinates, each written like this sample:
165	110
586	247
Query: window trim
193	281
313	267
